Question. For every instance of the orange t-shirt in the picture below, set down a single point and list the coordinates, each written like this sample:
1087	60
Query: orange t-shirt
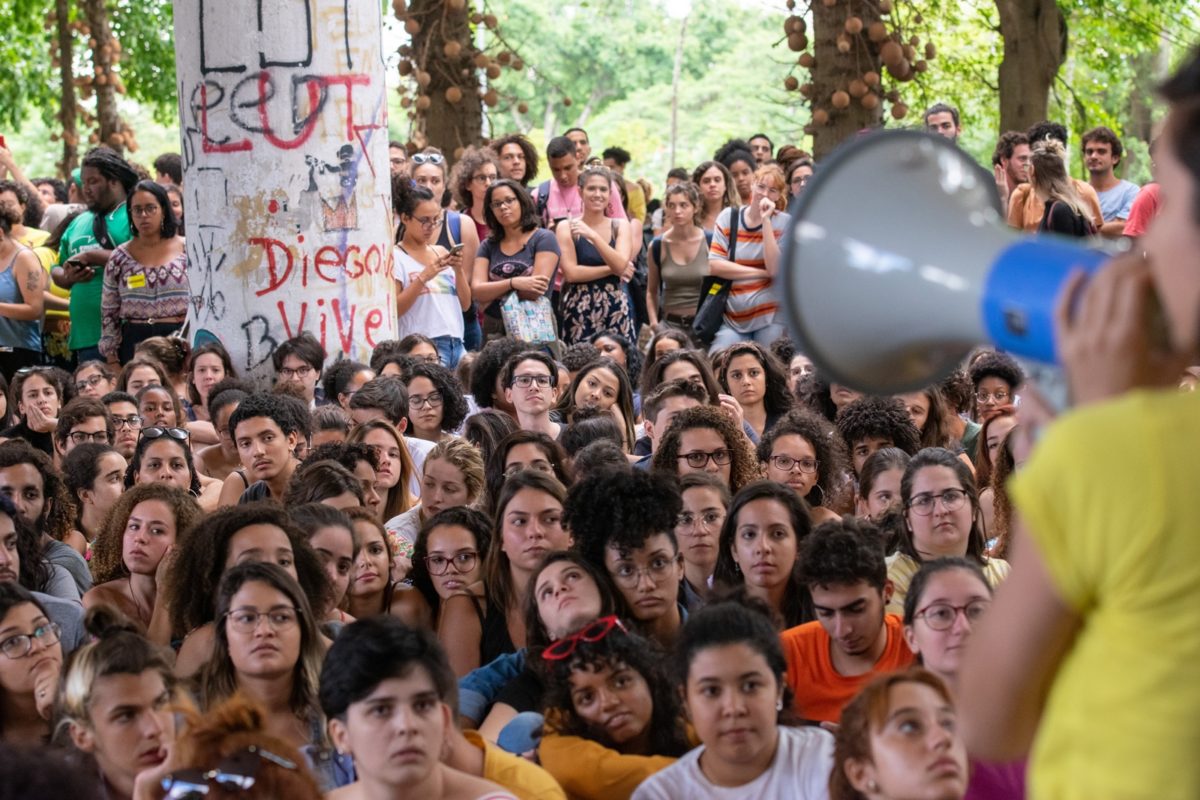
821	692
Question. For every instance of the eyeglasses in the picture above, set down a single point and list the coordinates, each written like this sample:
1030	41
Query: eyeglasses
463	563
143	211
985	397
157	432
709	519
428	158
245	620
508	201
483	178
299	372
629	576
952	500
941	616
699	459
90	383
238	771
593	632
525	381
19	646
133	422
82	437
785	464
537	466
767	191
429	222
431	400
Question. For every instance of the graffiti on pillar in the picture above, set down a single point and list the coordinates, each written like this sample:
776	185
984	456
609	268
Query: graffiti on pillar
283	118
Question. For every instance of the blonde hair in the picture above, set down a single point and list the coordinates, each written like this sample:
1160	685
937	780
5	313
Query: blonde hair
1050	176
772	173
464	457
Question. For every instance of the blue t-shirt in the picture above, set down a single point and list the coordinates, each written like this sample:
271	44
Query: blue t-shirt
1117	202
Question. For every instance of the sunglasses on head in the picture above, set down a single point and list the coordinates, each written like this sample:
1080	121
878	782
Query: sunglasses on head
31	370
157	432
427	158
592	632
236	772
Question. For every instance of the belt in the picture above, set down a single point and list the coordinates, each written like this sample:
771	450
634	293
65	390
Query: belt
177	320
680	320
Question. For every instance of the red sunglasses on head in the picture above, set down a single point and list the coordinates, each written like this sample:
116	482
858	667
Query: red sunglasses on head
592	632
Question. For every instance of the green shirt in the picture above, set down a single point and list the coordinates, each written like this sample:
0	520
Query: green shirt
85	296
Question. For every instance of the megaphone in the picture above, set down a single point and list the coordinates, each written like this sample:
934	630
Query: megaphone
897	264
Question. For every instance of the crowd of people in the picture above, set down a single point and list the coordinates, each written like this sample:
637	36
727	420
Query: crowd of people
578	535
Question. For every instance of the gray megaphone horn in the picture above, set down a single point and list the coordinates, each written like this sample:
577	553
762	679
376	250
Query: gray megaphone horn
898	263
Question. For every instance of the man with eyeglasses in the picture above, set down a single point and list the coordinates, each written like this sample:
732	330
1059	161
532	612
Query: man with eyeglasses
624	524
299	360
661	407
853	639
83	420
127	423
397	158
530	381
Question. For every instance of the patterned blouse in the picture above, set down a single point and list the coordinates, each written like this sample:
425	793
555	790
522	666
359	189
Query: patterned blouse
134	292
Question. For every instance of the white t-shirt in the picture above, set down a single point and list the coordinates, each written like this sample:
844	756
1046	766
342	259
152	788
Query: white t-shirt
406	525
799	770
417	450
436	311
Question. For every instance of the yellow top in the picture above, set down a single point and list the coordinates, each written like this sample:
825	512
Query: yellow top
588	770
520	776
901	570
1110	499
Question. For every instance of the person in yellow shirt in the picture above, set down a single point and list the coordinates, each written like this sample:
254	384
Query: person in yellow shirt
1087	660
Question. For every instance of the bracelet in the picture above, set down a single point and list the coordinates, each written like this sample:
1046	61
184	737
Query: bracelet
510	285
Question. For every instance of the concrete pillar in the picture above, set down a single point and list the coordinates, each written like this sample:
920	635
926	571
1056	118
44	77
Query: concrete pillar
283	119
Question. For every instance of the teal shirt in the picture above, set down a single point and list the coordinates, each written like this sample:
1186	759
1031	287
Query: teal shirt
85	297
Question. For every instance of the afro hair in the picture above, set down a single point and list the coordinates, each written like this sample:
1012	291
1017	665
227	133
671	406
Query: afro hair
878	417
620	509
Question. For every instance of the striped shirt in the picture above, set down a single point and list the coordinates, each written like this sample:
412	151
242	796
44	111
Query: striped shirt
135	292
752	304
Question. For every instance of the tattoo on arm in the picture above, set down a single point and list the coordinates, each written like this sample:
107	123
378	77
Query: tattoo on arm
33	281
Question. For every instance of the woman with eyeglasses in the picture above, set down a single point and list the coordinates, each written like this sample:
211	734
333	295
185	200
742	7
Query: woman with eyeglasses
798	174
267	647
613	717
759	549
433	286
36	394
801	452
705	439
995	377
131	558
706	501
436	405
452	476
146	290
448	560
94	379
595	265
116	703
518	255
732	670
942	519
30	663
94	475
527	525
475	171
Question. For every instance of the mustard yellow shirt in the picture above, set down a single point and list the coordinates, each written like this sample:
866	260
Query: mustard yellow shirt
1111	498
520	776
588	770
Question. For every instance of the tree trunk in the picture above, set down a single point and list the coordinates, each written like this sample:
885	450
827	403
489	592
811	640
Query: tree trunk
112	129
834	70
67	101
445	124
1035	46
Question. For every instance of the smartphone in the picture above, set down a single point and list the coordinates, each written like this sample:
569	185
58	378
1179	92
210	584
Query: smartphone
456	249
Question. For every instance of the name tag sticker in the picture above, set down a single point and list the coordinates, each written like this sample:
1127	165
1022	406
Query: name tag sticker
137	281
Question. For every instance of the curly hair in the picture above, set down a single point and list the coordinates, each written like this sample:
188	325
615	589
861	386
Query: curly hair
527	149
445	382
997	365
957	392
1004	467
621	510
865	714
653	375
797	606
617	650
844	552
831	455
778	397
577	356
878	417
744	467
107	562
589	425
783	349
461	176
200	562
34	571
492	358
59	509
